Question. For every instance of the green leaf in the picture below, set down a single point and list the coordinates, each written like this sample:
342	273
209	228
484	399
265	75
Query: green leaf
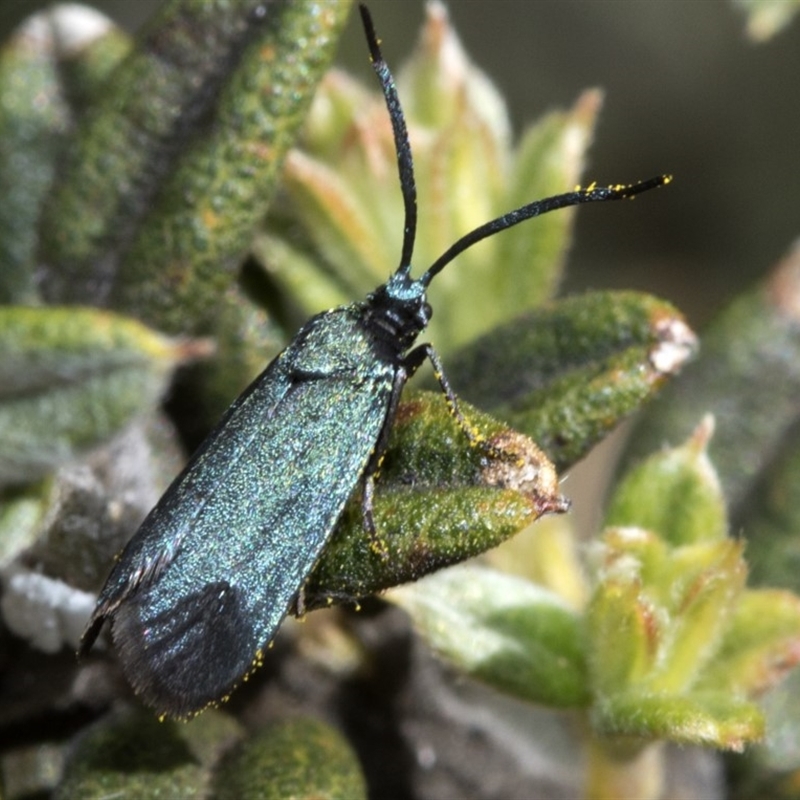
300	758
135	755
550	160
198	231
33	118
623	636
568	373
158	197
21	514
659	614
761	645
636	555
674	492
502	630
705	596
440	80
70	378
96	47
714	719
439	500
127	143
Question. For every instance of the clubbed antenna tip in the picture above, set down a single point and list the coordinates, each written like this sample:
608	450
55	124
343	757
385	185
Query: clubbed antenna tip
591	194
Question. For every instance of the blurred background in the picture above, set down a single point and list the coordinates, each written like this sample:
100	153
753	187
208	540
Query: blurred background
685	92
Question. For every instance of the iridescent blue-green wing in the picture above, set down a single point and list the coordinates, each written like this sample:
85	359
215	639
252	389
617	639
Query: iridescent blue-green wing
161	534
187	638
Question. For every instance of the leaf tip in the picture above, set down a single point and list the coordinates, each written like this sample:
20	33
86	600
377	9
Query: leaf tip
526	469
675	344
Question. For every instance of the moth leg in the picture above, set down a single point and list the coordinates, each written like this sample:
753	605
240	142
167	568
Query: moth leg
377	544
413	360
297	608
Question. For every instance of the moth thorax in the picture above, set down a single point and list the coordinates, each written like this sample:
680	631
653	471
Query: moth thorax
397	312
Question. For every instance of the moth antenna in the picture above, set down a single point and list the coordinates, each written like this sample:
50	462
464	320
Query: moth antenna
537	208
405	161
